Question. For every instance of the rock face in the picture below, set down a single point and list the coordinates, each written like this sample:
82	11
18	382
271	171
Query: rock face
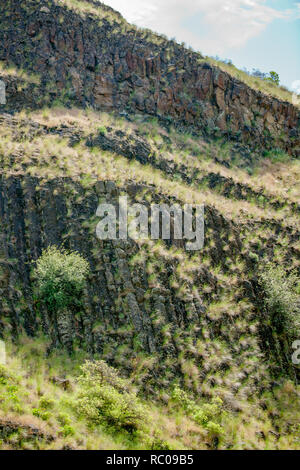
94	57
143	311
29	223
129	313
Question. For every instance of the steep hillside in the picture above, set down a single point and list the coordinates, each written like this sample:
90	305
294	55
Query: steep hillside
87	54
96	109
44	407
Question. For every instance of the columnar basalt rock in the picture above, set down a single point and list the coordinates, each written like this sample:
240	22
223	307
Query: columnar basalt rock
86	60
139	304
124	307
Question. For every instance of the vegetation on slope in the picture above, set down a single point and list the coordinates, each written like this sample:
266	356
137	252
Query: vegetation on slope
220	396
268	87
211	366
47	402
101	11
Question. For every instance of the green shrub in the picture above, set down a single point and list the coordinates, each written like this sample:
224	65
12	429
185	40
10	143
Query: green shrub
200	417
61	277
214	429
104	400
44	415
281	299
67	431
200	414
209	411
63	419
102	130
6	377
101	373
253	256
157	443
181	398
46	403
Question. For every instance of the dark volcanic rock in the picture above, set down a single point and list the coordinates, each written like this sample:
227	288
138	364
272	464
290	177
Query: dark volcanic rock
98	60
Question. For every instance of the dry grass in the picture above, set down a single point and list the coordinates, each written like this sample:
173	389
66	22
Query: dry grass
280	179
49	157
85	8
264	86
28	362
250	428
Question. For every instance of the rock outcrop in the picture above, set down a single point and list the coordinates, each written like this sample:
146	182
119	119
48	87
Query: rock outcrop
163	313
127	311
93	57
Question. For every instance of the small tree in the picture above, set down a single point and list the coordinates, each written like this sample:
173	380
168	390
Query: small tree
274	77
106	398
281	300
60	277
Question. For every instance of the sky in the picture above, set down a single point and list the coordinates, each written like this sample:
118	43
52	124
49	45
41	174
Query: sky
263	34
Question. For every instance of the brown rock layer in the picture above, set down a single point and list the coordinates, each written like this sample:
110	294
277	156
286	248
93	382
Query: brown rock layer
106	63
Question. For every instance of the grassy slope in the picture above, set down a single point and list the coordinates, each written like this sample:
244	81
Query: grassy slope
266	421
260	195
30	399
271	178
265	86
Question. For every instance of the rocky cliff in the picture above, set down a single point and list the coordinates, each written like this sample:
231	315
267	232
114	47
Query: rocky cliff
188	315
86	54
150	308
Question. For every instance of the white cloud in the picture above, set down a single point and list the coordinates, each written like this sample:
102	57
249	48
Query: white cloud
228	23
135	11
